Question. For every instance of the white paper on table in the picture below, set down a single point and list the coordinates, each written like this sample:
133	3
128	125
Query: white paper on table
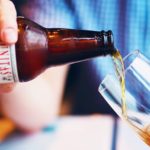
84	133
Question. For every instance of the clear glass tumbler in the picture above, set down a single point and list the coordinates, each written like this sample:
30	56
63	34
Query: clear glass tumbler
137	82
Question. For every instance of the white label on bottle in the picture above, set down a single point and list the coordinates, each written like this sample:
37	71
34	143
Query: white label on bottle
8	67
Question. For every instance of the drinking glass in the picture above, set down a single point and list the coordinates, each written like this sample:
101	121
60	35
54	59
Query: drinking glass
137	93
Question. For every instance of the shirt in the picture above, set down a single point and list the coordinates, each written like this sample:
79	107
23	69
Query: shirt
129	22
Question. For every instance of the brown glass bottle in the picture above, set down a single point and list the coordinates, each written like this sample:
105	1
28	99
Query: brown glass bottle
38	48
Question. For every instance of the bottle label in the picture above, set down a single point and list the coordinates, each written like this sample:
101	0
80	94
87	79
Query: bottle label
8	67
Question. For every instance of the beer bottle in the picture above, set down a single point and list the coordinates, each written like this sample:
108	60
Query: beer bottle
38	48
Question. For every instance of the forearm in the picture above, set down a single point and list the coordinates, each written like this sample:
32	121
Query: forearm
34	104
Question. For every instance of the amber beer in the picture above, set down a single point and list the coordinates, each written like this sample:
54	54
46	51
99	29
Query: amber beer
144	132
38	48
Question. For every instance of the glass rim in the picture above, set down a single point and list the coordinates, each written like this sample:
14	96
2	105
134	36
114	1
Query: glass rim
107	77
135	53
131	53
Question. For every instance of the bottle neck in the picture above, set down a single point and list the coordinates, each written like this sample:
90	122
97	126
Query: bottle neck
69	45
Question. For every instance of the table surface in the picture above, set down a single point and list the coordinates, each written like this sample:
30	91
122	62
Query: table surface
79	133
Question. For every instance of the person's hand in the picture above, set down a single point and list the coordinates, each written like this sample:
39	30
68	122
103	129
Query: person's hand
32	105
8	31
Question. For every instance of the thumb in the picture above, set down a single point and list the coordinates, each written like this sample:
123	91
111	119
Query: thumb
8	23
8	32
